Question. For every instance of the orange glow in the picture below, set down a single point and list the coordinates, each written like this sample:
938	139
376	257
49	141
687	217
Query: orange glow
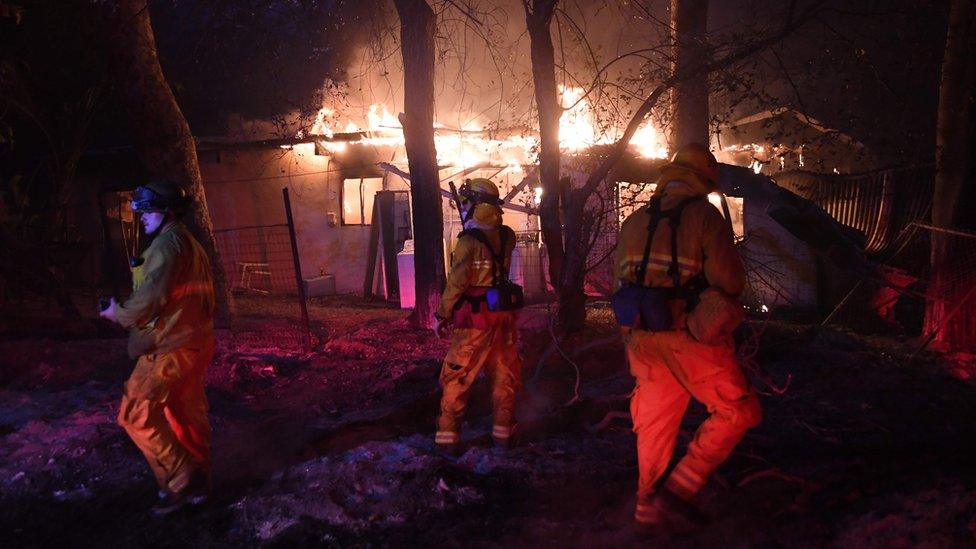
470	146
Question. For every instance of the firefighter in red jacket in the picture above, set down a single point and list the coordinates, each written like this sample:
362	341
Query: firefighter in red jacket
170	318
671	366
480	338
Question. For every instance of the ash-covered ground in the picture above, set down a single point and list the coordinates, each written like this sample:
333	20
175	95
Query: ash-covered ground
333	447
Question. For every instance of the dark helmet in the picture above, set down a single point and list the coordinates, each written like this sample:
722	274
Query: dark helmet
159	196
480	191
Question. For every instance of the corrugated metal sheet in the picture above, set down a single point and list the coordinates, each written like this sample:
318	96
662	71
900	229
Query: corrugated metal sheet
879	204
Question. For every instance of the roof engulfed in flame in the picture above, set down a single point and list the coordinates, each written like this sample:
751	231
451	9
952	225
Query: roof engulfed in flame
473	145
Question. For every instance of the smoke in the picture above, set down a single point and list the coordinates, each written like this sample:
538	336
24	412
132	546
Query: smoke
253	67
483	72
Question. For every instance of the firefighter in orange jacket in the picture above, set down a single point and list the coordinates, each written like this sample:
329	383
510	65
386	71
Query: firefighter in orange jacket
480	338
170	318
670	366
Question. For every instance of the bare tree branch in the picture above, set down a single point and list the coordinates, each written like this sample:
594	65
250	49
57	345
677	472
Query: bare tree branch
619	148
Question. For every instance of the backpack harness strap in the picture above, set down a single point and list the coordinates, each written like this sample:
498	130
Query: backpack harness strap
689	290
497	265
497	259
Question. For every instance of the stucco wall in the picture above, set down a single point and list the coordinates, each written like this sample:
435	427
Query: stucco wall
244	189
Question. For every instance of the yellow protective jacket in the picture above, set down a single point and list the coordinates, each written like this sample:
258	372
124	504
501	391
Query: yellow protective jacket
172	301
704	242
471	263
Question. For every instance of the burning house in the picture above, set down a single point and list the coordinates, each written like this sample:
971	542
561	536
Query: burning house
146	400
349	191
335	179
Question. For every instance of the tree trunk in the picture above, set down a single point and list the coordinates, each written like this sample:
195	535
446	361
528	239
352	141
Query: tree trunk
538	20
689	98
417	25
163	139
571	311
955	191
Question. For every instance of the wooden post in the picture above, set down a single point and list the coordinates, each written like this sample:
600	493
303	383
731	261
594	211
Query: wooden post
384	206
306	339
371	250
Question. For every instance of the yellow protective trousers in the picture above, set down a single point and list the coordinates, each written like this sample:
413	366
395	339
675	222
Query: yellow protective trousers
164	411
671	367
492	345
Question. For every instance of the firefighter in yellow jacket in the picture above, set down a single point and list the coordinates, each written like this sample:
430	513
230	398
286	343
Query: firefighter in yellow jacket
481	338
170	318
690	242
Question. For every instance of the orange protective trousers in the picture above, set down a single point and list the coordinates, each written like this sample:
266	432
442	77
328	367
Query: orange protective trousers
494	348
671	367
164	411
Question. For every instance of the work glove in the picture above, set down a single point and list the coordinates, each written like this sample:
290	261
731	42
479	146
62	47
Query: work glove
442	327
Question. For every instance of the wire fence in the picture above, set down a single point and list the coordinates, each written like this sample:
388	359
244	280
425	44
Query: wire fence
257	259
530	265
925	286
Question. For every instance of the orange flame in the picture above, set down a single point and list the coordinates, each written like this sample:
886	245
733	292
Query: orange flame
470	146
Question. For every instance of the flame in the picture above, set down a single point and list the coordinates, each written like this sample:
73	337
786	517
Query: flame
650	142
321	124
335	147
470	145
577	125
379	117
580	129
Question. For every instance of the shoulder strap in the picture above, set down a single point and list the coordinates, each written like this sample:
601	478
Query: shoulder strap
654	209
673	215
497	259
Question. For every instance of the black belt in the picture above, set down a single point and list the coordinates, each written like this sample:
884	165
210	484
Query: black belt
474	300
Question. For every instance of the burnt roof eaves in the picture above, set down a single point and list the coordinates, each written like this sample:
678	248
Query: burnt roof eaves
802	117
226	143
223	143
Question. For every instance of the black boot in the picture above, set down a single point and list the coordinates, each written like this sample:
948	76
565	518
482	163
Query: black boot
450	451
674	509
197	492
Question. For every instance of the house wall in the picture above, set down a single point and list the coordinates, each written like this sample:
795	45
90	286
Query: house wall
245	200
244	189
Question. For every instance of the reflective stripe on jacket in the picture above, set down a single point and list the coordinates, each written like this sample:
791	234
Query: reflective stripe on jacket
471	262
704	242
